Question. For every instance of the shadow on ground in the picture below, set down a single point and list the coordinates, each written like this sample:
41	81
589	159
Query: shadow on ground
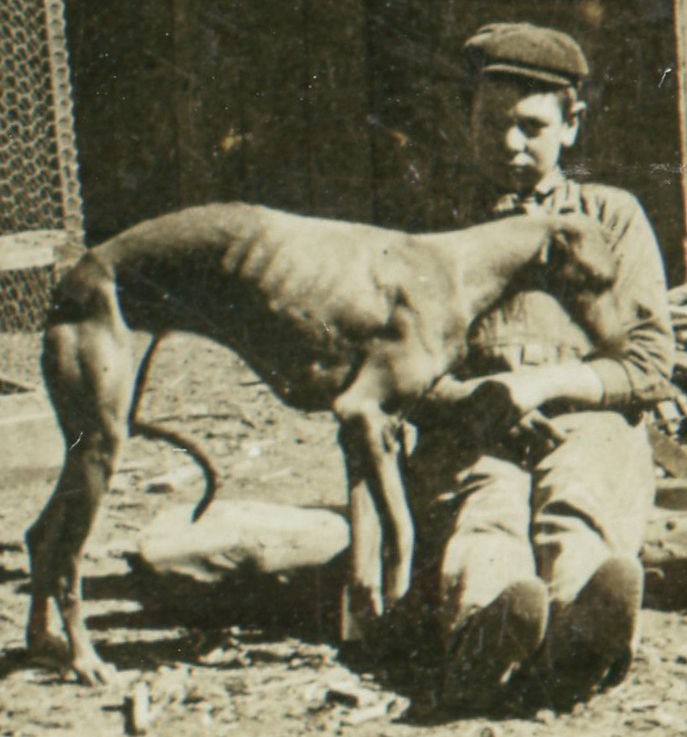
258	607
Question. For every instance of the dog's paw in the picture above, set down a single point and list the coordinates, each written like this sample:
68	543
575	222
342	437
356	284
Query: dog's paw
92	671
365	602
397	582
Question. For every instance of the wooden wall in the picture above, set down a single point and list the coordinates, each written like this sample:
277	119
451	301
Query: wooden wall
354	110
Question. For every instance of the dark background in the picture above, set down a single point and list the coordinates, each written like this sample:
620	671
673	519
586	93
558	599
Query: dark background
350	109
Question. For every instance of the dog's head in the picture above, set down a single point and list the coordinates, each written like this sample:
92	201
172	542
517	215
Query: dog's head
582	268
578	254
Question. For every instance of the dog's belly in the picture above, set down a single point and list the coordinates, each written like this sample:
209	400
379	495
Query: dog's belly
303	368
305	346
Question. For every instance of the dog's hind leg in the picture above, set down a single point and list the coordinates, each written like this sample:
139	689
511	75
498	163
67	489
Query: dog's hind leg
87	367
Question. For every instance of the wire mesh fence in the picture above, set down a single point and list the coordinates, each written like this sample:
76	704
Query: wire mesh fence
40	202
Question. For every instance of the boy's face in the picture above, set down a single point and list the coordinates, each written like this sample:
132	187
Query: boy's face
517	133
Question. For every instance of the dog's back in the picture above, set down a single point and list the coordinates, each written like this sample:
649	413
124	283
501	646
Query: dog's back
298	297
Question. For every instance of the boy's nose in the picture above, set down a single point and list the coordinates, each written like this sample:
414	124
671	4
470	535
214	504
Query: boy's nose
514	139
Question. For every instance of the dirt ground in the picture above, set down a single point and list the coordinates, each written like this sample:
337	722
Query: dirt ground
259	658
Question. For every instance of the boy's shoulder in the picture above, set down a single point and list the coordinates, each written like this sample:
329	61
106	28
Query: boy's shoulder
607	201
616	208
608	193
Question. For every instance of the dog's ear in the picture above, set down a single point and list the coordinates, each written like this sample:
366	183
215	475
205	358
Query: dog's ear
565	232
558	246
544	252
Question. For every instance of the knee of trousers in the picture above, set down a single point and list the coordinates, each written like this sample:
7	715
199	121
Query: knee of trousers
566	560
490	545
476	570
495	500
599	482
575	531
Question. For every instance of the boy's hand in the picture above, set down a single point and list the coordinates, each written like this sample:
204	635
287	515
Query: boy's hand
488	407
496	405
537	432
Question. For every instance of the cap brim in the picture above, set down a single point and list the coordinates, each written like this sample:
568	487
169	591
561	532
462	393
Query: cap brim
543	75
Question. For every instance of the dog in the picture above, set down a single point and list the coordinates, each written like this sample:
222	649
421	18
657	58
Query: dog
357	319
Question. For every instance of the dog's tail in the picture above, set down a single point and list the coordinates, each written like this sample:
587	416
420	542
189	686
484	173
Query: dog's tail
156	432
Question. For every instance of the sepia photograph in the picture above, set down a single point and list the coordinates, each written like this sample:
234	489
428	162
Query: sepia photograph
343	368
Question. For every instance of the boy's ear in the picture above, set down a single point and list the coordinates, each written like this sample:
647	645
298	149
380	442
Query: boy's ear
572	124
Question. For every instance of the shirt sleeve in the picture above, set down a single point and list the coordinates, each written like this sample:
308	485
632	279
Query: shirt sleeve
641	375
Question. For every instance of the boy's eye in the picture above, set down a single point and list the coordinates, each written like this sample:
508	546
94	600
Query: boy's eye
531	126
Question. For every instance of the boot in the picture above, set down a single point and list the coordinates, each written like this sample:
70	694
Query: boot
591	640
492	644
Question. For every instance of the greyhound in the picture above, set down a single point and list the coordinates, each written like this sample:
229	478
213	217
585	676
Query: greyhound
357	319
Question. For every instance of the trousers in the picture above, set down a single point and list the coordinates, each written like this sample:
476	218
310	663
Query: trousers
487	520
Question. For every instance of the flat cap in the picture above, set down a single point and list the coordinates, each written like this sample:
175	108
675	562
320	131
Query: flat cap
527	50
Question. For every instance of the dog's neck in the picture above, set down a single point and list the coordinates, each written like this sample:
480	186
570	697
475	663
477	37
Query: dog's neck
485	260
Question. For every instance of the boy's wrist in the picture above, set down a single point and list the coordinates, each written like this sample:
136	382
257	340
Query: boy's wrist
572	381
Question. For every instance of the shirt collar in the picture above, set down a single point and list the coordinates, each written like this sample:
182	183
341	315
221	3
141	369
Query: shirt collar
514	202
551	181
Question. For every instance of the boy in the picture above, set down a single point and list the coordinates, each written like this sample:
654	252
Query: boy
535	529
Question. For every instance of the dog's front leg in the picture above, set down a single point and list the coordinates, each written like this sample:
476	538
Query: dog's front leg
378	504
363	598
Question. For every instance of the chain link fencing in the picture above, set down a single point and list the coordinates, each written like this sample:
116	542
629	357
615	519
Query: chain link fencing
41	218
